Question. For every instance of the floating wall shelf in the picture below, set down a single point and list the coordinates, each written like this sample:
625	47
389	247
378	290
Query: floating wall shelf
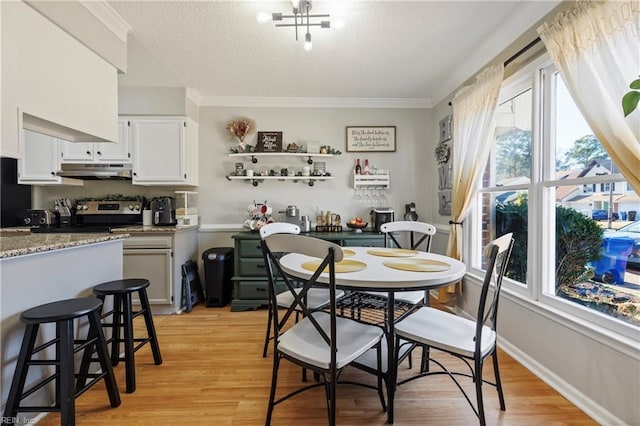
255	155
256	180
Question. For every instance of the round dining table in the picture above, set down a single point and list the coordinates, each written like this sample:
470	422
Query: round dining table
384	270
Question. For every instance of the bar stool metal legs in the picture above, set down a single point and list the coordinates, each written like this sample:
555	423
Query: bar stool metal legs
122	324
62	313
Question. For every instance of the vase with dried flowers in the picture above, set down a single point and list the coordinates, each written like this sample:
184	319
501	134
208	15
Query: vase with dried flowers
238	129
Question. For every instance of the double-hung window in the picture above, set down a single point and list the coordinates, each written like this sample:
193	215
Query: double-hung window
550	182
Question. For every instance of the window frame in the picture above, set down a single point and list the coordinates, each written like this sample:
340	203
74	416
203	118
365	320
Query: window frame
540	288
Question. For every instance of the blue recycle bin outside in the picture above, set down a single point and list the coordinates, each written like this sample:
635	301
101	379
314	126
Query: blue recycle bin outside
610	268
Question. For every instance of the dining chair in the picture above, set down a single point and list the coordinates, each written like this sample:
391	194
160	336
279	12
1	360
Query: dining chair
412	234
316	297
472	341
321	341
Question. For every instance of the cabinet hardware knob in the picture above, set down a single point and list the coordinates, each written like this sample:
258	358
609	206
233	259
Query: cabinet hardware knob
259	265
88	152
99	153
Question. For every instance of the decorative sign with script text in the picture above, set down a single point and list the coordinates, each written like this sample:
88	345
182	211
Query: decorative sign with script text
367	139
269	142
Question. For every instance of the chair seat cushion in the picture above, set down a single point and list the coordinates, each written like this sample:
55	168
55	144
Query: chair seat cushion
438	329
316	297
412	297
303	342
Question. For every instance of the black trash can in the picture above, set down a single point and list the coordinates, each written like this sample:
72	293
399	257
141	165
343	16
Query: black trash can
218	270
631	215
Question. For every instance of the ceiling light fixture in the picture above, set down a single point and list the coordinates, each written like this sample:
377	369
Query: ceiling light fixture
301	18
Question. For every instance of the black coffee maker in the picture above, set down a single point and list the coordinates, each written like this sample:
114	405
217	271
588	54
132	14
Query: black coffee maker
163	211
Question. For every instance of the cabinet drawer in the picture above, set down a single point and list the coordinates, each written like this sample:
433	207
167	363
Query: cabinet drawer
252	267
364	242
249	248
257	290
147	242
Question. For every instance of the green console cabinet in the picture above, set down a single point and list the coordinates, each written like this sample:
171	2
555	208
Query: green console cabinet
250	280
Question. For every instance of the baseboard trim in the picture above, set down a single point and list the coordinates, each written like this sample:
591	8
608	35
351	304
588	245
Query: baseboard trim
577	398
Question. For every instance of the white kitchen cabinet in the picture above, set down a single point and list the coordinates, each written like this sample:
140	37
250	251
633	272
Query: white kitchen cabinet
164	150
51	82
41	161
99	152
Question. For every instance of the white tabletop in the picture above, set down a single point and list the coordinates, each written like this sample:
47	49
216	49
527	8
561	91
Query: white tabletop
377	276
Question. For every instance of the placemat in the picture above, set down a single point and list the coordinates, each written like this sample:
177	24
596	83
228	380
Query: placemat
392	252
417	265
347	253
345	265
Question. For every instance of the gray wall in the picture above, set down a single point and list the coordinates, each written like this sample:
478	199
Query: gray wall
226	201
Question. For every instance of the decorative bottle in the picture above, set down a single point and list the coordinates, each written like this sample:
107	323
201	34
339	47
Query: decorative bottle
366	167
358	168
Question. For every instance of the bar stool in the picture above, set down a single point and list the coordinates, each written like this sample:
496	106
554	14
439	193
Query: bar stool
122	317
62	313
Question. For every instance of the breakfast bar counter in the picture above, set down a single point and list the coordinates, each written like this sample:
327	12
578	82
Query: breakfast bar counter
22	243
40	268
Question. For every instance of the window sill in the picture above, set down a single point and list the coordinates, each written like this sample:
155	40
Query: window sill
614	340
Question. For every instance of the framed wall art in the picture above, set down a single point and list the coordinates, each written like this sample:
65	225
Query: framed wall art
444	202
445	129
371	138
269	142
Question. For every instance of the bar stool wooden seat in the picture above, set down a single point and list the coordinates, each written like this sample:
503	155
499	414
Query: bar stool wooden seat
62	313
122	316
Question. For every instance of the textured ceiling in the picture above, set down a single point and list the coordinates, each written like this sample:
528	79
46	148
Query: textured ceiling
412	50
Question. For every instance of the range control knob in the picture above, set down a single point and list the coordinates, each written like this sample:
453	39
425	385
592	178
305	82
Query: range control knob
130	206
42	221
85	207
27	220
137	207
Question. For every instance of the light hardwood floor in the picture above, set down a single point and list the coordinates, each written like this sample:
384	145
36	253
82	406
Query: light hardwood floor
214	374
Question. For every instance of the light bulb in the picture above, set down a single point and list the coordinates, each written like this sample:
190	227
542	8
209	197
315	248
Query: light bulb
307	42
263	17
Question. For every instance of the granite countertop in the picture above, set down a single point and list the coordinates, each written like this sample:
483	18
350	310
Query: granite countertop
18	243
155	229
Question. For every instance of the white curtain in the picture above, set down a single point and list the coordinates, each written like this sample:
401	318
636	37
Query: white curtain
596	48
474	111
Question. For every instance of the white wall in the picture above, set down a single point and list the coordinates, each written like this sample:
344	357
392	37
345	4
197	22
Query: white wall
595	371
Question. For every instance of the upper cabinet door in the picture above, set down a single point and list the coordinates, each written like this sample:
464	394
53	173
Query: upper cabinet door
40	159
111	152
158	150
76	152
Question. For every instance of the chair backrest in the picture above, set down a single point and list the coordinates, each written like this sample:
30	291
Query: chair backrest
279	228
419	232
497	253
274	246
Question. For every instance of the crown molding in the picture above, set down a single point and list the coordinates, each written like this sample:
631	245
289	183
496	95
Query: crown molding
109	17
194	95
281	102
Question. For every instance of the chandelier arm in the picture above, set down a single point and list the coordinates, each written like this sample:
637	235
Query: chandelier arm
326	15
293	25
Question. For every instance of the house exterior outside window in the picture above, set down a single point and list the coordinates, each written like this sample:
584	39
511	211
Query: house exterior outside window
550	182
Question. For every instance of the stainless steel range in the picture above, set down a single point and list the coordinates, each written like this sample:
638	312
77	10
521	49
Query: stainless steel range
100	216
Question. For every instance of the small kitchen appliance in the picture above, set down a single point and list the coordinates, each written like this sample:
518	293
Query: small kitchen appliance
42	218
163	211
381	215
292	215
